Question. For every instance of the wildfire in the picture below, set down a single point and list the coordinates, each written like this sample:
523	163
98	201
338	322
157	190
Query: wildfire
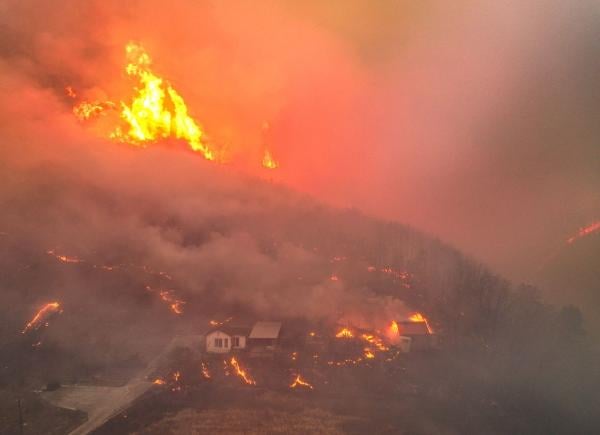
86	110
63	258
242	373
375	341
205	371
159	381
344	333
41	316
368	354
418	317
218	323
299	382
157	111
394	328
268	161
175	304
585	231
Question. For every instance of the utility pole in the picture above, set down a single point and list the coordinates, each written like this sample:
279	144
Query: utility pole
20	417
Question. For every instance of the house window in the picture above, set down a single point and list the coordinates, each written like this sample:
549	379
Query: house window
218	342
235	341
226	340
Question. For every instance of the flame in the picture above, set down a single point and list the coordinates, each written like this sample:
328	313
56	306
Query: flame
242	373
268	161
40	317
159	381
157	111
394	328
87	110
375	341
418	317
368	354
344	333
299	382
585	231
205	371
63	258
218	323
166	295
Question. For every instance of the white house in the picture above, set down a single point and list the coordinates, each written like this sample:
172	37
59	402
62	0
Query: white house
226	338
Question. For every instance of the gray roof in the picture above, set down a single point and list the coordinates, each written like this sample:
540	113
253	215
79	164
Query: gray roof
409	328
265	330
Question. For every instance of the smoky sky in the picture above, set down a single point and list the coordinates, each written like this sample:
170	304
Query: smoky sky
474	121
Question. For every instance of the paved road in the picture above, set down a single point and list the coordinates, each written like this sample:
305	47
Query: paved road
103	403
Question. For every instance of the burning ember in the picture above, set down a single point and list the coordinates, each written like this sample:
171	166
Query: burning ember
242	373
344	333
368	354
159	381
42	316
299	382
205	371
394	329
86	110
375	341
218	323
268	161
585	231
418	317
175	305
63	258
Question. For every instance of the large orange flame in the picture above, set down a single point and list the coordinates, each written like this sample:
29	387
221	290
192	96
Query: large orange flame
41	316
344	333
148	117
418	317
242	373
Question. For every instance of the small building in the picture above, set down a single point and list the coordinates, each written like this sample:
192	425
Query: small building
264	338
415	336
225	338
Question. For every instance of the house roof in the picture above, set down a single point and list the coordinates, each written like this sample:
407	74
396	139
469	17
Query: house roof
232	330
265	330
408	328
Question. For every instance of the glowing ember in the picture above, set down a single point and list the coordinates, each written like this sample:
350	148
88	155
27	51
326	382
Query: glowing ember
334	278
159	381
63	258
375	341
70	92
218	323
344	333
41	316
205	371
86	110
268	161
242	373
157	111
585	231
368	354
418	317
394	329
299	382
175	305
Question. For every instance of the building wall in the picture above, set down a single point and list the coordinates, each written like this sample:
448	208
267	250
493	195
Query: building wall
211	342
226	342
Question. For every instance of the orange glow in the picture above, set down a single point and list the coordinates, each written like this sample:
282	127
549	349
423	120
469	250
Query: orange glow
174	304
63	258
334	278
368	354
344	333
242	373
585	231
418	317
159	381
70	92
157	111
299	382
205	371
218	323
268	161
394	328
375	341
87	110
41	316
